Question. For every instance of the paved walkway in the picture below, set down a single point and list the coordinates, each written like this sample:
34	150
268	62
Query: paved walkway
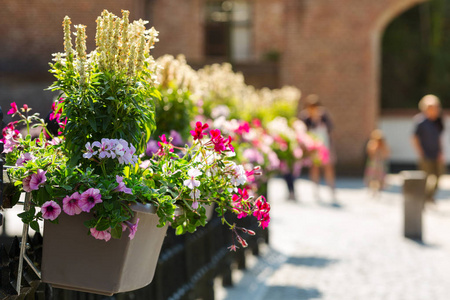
354	250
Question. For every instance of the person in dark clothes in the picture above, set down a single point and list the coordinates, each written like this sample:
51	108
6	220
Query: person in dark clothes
318	122
427	142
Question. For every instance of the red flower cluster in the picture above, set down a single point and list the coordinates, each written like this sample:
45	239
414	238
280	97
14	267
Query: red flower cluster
199	130
262	211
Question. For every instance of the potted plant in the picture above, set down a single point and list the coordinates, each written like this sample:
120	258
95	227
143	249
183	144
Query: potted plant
87	179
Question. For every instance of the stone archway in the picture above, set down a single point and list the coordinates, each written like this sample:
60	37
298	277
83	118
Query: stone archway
333	49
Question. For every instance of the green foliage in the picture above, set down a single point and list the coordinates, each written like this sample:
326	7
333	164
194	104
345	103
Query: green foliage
174	111
109	107
416	56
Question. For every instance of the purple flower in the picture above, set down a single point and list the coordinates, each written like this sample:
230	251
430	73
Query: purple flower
24	158
152	147
90	151
89	198
50	210
101	235
195	194
131	226
176	138
35	181
121	187
70	204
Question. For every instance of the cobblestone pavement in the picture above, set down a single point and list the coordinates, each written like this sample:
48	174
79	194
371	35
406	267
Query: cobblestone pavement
351	250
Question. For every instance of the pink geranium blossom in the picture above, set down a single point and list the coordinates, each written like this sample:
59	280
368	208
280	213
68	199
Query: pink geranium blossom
50	210
121	187
70	204
37	180
101	235
89	198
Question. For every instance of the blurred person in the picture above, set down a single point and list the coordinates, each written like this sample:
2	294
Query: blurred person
377	152
428	128
318	122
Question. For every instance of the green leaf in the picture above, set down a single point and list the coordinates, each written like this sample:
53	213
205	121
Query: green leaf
180	230
92	123
66	187
35	226
102	225
116	232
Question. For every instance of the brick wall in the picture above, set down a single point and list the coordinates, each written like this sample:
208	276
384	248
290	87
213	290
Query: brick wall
30	31
180	25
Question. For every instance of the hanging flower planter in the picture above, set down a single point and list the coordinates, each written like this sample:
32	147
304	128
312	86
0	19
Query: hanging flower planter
73	260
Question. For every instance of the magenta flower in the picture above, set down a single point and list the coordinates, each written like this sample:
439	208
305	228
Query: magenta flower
261	212
13	109
121	187
50	210
101	235
38	180
198	131
70	204
132	227
89	198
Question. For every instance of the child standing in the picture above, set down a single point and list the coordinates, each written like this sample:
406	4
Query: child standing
376	169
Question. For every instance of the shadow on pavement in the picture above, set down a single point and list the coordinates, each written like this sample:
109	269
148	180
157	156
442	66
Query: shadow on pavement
291	292
311	261
335	205
424	244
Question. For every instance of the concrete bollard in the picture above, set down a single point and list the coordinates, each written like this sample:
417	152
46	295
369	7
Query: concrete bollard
414	200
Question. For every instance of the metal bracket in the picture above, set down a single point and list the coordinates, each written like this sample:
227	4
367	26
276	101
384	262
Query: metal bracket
23	245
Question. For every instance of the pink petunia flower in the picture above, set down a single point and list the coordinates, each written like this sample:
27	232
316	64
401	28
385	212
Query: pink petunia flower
70	204
26	184
121	187
89	198
101	235
50	210
132	227
38	180
13	109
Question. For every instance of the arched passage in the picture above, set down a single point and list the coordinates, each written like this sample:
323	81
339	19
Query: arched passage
333	50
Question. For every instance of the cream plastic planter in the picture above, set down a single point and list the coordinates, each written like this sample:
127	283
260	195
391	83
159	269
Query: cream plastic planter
74	260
